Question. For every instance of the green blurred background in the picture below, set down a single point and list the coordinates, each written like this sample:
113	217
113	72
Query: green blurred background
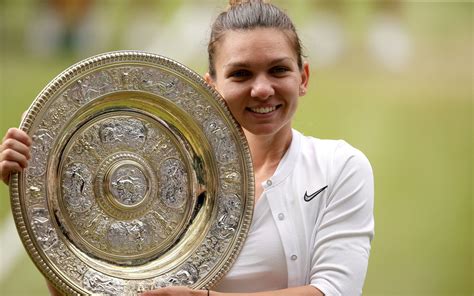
393	78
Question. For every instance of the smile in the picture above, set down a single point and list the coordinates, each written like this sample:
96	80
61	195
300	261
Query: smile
263	110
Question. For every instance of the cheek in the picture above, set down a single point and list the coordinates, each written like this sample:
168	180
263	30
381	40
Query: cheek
232	96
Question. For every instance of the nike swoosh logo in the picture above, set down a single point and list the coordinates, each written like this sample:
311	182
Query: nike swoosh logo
310	197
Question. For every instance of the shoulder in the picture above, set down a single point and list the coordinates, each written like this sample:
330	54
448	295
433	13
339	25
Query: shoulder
334	155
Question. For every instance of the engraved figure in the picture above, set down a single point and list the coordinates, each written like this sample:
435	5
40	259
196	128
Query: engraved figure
226	151
102	284
131	78
228	215
87	148
90	87
123	131
128	237
59	111
94	228
163	223
188	275
231	179
87	89
149	80
43	229
173	190
220	140
61	255
77	187
74	94
129	185
42	142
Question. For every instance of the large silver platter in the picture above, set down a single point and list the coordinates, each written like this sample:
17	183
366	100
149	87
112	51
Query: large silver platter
140	178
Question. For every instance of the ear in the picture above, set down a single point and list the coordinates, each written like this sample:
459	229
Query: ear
304	79
209	80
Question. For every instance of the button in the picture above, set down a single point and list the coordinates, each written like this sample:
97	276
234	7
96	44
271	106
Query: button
294	257
269	182
281	216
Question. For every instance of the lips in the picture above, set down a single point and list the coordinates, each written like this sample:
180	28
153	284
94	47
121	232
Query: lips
263	110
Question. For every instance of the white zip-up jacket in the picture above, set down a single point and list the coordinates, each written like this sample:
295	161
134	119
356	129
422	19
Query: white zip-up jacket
325	231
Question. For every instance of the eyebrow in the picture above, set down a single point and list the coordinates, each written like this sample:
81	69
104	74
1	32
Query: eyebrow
247	65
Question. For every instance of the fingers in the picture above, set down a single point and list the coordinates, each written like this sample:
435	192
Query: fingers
19	135
8	167
18	154
14	153
15	150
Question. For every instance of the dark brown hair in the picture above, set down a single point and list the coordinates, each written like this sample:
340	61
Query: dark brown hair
248	15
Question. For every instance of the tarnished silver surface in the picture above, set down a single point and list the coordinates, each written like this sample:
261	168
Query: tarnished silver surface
139	178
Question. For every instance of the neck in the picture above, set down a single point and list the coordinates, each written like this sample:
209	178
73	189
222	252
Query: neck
268	150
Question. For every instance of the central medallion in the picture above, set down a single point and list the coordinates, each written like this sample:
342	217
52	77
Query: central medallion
127	184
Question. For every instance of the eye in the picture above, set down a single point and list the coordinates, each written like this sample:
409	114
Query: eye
279	70
239	74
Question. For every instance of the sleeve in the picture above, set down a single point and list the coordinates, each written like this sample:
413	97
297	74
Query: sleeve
341	244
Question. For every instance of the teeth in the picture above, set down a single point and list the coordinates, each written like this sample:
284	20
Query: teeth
263	110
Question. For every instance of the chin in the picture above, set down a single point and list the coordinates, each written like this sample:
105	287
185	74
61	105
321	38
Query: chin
263	131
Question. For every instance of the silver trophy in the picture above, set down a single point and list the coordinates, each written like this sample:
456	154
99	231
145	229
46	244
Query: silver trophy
140	178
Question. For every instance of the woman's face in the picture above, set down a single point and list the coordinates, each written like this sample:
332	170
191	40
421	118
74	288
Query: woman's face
258	76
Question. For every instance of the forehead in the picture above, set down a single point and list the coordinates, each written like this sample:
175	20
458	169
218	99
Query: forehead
254	44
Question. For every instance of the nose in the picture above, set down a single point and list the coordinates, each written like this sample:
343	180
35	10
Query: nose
262	88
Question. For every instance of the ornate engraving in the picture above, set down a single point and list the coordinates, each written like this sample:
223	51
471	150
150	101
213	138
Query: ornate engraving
102	284
87	148
129	132
63	257
42	141
231	179
57	115
90	87
226	150
77	187
74	94
137	287
221	140
124	185
42	227
129	184
228	214
173	190
188	275
128	237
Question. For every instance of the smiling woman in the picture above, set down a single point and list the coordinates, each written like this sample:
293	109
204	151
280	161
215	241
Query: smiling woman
313	220
258	75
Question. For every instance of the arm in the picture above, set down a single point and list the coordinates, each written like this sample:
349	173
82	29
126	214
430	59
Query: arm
297	291
183	291
342	239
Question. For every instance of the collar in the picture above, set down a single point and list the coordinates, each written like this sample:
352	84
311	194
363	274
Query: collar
287	163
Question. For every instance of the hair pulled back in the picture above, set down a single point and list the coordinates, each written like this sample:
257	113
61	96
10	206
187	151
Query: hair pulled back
248	15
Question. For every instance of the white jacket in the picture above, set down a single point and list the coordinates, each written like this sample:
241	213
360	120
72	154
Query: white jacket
327	238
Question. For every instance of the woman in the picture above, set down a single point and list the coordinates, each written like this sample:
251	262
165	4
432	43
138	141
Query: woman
313	219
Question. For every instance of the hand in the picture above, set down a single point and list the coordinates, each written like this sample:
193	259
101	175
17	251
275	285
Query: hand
14	153
175	291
